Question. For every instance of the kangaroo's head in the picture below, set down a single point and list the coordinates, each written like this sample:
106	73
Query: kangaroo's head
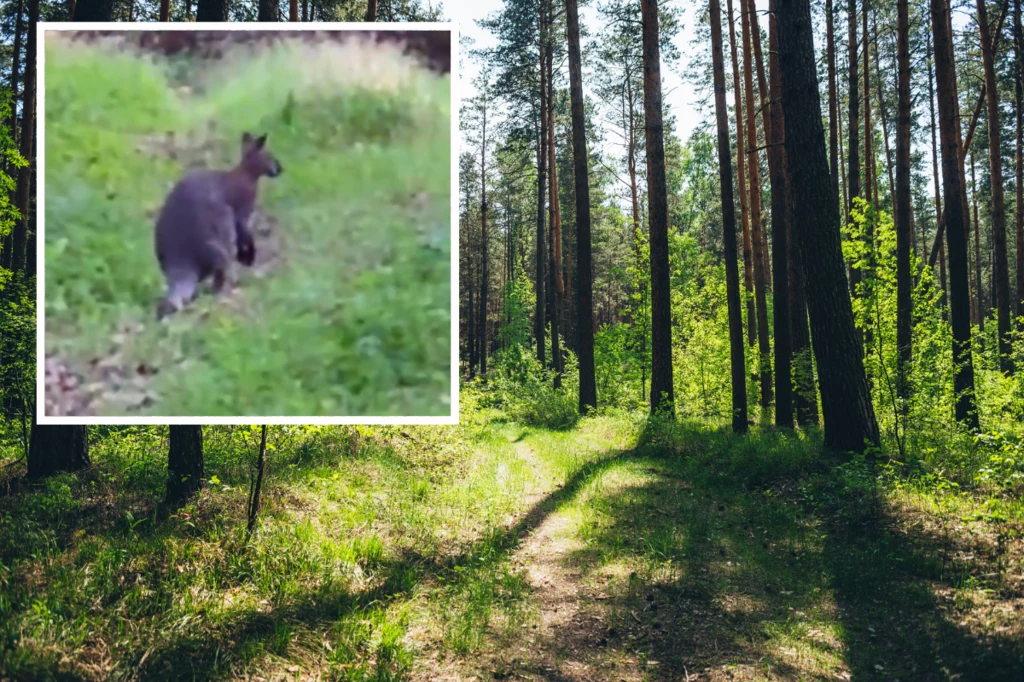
256	160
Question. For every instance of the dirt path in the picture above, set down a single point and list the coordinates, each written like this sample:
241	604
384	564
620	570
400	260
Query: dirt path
570	638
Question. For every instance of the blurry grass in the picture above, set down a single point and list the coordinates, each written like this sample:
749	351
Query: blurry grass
353	317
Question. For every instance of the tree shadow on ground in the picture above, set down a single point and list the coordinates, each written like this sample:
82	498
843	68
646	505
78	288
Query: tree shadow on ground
732	580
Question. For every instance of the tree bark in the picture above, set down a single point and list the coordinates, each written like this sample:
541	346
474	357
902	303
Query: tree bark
846	402
754	183
92	10
371	10
904	236
662	391
484	270
1001	271
269	10
741	172
956	240
978	302
212	10
21	229
732	277
254	498
853	120
833	100
781	207
57	448
555	284
1018	87
165	10
184	463
762	91
539	322
581	179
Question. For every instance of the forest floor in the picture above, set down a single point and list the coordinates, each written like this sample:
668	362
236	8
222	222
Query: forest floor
353	239
494	551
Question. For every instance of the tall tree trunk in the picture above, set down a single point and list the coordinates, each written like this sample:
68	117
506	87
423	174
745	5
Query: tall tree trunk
939	215
484	267
1001	269
781	207
741	172
881	113
371	10
212	10
471	340
662	391
19	27
165	10
57	448
853	120
870	186
732	276
581	179
637	253
254	496
184	463
846	402
754	183
71	10
21	228
555	285
833	100
92	10
904	236
956	240
540	325
762	91
978	302
1018	112
269	10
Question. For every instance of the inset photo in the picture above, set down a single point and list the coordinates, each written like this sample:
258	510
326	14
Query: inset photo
246	225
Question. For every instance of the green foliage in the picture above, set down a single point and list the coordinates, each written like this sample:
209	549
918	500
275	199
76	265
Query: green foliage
525	390
350	314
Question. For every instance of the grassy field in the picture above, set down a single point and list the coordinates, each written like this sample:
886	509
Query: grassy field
613	550
347	311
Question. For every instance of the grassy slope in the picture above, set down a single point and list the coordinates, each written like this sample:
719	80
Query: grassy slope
390	553
353	315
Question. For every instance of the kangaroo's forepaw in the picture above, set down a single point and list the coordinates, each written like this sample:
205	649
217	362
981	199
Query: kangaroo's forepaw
247	252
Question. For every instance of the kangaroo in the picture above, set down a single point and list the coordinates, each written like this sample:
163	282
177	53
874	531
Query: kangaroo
205	218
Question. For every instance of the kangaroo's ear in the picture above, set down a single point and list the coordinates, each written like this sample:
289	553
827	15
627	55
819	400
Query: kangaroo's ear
261	140
246	139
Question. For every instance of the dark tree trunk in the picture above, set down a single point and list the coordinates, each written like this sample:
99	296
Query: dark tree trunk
254	496
555	284
662	392
484	270
757	239
940	218
781	207
904	236
956	236
853	119
269	10
371	10
833	99
212	10
1018	112
741	172
846	402
19	28
184	463
584	286
1001	269
165	10
762	91
57	448
93	10
978	302
21	228
471	322
539	322
732	277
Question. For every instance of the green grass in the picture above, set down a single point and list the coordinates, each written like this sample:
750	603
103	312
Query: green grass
390	553
352	316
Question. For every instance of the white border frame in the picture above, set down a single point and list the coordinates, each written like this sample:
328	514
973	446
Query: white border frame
42	418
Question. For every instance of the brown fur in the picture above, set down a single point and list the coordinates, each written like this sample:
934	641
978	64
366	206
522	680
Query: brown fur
205	219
